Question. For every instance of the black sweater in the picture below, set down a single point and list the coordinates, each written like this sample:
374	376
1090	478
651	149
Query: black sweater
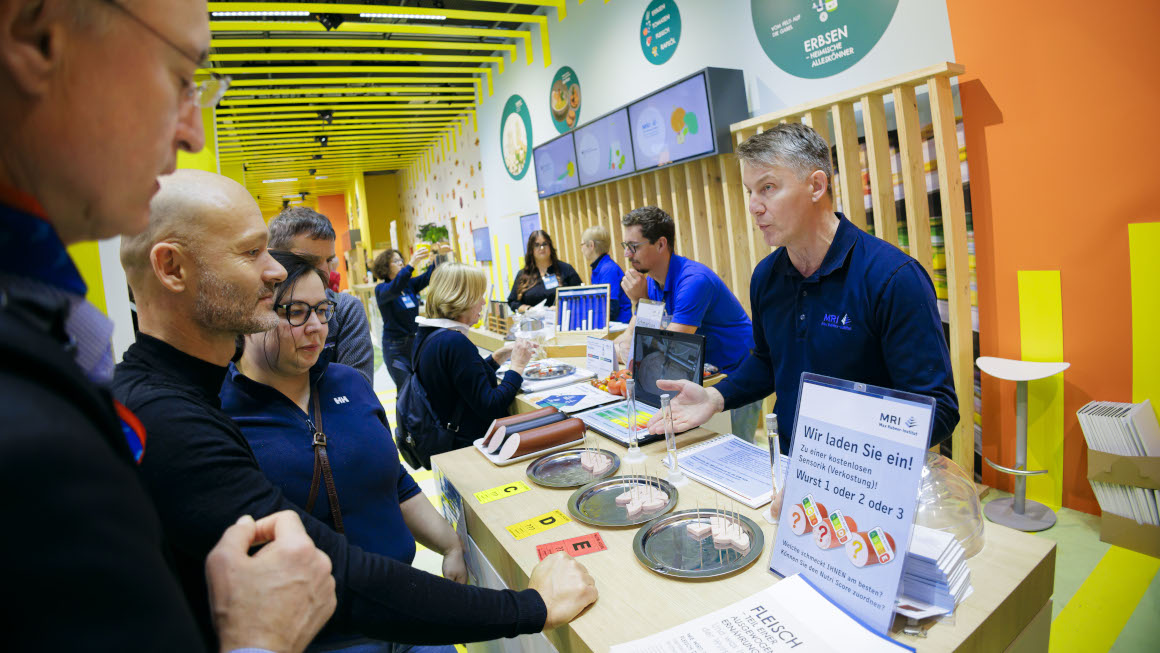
83	558
452	372
203	476
565	276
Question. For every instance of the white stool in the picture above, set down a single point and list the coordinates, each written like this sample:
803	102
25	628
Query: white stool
1017	511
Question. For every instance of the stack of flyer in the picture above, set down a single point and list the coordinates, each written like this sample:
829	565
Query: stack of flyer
935	576
1124	430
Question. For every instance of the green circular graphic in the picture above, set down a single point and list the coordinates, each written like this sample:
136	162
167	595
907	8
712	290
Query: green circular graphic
515	137
564	99
819	38
660	31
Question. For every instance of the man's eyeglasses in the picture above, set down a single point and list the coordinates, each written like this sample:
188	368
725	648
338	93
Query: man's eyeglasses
297	313
632	246
206	93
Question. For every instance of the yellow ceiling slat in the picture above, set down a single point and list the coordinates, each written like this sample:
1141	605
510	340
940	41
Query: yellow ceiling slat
315	148
561	10
374	81
237	129
223	26
341	109
274	158
358	56
429	100
241	142
324	130
251	119
312	7
366	156
343	90
264	70
218	43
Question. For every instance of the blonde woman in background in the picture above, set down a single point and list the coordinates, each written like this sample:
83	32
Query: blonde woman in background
449	366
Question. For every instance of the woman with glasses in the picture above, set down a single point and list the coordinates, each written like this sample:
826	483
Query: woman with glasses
398	298
541	275
322	437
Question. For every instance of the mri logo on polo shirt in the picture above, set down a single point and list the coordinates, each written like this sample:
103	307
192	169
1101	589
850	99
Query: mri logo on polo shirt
834	321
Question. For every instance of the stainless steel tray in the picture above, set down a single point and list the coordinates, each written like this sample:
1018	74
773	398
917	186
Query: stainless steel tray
595	503
544	372
664	546
563	469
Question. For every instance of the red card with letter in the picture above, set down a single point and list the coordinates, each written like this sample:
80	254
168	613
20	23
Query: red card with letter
575	546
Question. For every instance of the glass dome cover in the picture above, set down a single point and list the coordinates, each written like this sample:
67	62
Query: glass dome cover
947	502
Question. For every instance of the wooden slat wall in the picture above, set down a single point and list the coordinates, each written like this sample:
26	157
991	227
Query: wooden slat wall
709	204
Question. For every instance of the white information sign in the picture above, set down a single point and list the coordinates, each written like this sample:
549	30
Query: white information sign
855	467
601	357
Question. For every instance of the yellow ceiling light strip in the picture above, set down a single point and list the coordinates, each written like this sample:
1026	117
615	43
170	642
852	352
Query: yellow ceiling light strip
225	26
363	43
337	90
263	70
493	16
261	57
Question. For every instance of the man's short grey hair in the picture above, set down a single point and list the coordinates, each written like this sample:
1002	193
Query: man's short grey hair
299	221
792	145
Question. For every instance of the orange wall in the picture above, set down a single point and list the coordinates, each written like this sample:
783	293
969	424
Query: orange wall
334	208
1059	105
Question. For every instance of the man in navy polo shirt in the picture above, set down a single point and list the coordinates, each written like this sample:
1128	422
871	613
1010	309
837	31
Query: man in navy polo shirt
697	300
831	300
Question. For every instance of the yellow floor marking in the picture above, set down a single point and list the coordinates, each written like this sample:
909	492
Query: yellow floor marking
1094	616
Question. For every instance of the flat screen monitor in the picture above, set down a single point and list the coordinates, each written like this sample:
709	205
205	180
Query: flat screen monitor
672	124
555	163
481	238
670	355
604	148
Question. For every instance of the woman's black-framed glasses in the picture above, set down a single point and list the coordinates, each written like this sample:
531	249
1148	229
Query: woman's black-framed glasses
297	313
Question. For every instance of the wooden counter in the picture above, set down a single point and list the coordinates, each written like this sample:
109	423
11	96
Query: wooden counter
564	345
1013	576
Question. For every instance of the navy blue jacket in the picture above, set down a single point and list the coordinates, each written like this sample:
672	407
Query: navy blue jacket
452	372
399	302
605	270
369	479
868	314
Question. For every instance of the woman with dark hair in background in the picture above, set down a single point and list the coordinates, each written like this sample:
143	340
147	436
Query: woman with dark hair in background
280	403
398	298
541	275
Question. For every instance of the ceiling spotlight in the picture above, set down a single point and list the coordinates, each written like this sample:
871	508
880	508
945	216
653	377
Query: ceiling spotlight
327	115
315	157
329	21
322	140
285	203
312	171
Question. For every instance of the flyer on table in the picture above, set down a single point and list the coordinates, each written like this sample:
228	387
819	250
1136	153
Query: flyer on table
855	468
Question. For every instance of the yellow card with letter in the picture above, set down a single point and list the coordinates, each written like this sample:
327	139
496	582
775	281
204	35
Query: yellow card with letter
539	524
511	489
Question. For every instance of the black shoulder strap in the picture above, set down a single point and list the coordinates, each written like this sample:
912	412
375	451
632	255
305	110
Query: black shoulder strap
454	423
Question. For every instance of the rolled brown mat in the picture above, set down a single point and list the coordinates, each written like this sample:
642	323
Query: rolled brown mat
860	550
516	419
545	437
502	433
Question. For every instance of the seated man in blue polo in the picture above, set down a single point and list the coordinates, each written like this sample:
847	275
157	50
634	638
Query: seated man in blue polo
832	299
697	300
594	245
